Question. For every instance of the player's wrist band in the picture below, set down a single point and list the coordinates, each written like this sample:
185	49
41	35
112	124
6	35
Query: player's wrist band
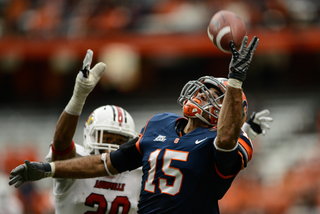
235	83
53	169
75	105
64	152
224	150
103	158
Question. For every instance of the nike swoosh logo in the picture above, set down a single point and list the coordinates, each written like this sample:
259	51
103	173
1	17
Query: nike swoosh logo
199	141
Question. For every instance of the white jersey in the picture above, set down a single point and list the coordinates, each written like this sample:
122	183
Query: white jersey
116	194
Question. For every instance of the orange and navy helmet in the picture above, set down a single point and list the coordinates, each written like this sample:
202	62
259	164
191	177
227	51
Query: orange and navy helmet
191	107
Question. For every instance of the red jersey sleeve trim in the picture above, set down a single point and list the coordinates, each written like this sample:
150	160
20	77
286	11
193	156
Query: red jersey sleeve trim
64	152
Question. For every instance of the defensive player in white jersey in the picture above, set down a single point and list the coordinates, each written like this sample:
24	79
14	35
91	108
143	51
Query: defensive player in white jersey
105	129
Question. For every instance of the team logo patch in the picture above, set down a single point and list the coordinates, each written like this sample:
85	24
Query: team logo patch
160	138
176	140
199	141
90	119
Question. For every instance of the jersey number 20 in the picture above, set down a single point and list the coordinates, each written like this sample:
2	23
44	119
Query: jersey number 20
100	200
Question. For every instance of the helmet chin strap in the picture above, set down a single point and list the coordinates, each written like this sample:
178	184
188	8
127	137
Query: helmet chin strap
203	119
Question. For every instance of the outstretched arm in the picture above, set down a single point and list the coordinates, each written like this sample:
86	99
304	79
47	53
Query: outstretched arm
83	167
230	118
127	157
63	147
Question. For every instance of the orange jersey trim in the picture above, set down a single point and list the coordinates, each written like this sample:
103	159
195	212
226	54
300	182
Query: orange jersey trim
137	144
221	175
242	161
140	136
247	148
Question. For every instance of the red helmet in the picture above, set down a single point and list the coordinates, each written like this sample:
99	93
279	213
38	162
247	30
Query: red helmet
191	107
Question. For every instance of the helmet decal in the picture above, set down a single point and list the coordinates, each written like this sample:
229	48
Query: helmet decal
119	113
90	119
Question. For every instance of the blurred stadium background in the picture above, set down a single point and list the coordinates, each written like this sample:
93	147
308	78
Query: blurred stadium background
152	48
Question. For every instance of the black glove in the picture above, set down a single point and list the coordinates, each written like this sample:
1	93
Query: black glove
240	61
29	171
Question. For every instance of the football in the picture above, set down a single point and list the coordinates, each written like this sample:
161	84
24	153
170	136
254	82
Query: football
225	26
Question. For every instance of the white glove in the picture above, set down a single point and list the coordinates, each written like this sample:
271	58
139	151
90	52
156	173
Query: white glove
84	72
85	82
257	124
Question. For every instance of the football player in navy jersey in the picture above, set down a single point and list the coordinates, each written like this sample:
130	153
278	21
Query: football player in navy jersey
188	162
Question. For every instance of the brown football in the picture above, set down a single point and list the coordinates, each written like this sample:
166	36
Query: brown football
225	26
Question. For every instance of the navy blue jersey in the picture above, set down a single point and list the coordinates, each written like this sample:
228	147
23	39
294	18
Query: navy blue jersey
185	174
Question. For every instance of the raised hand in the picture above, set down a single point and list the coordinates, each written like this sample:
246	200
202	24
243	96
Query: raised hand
86	80
241	59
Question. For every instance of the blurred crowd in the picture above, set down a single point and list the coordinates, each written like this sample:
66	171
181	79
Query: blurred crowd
96	18
30	198
297	193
